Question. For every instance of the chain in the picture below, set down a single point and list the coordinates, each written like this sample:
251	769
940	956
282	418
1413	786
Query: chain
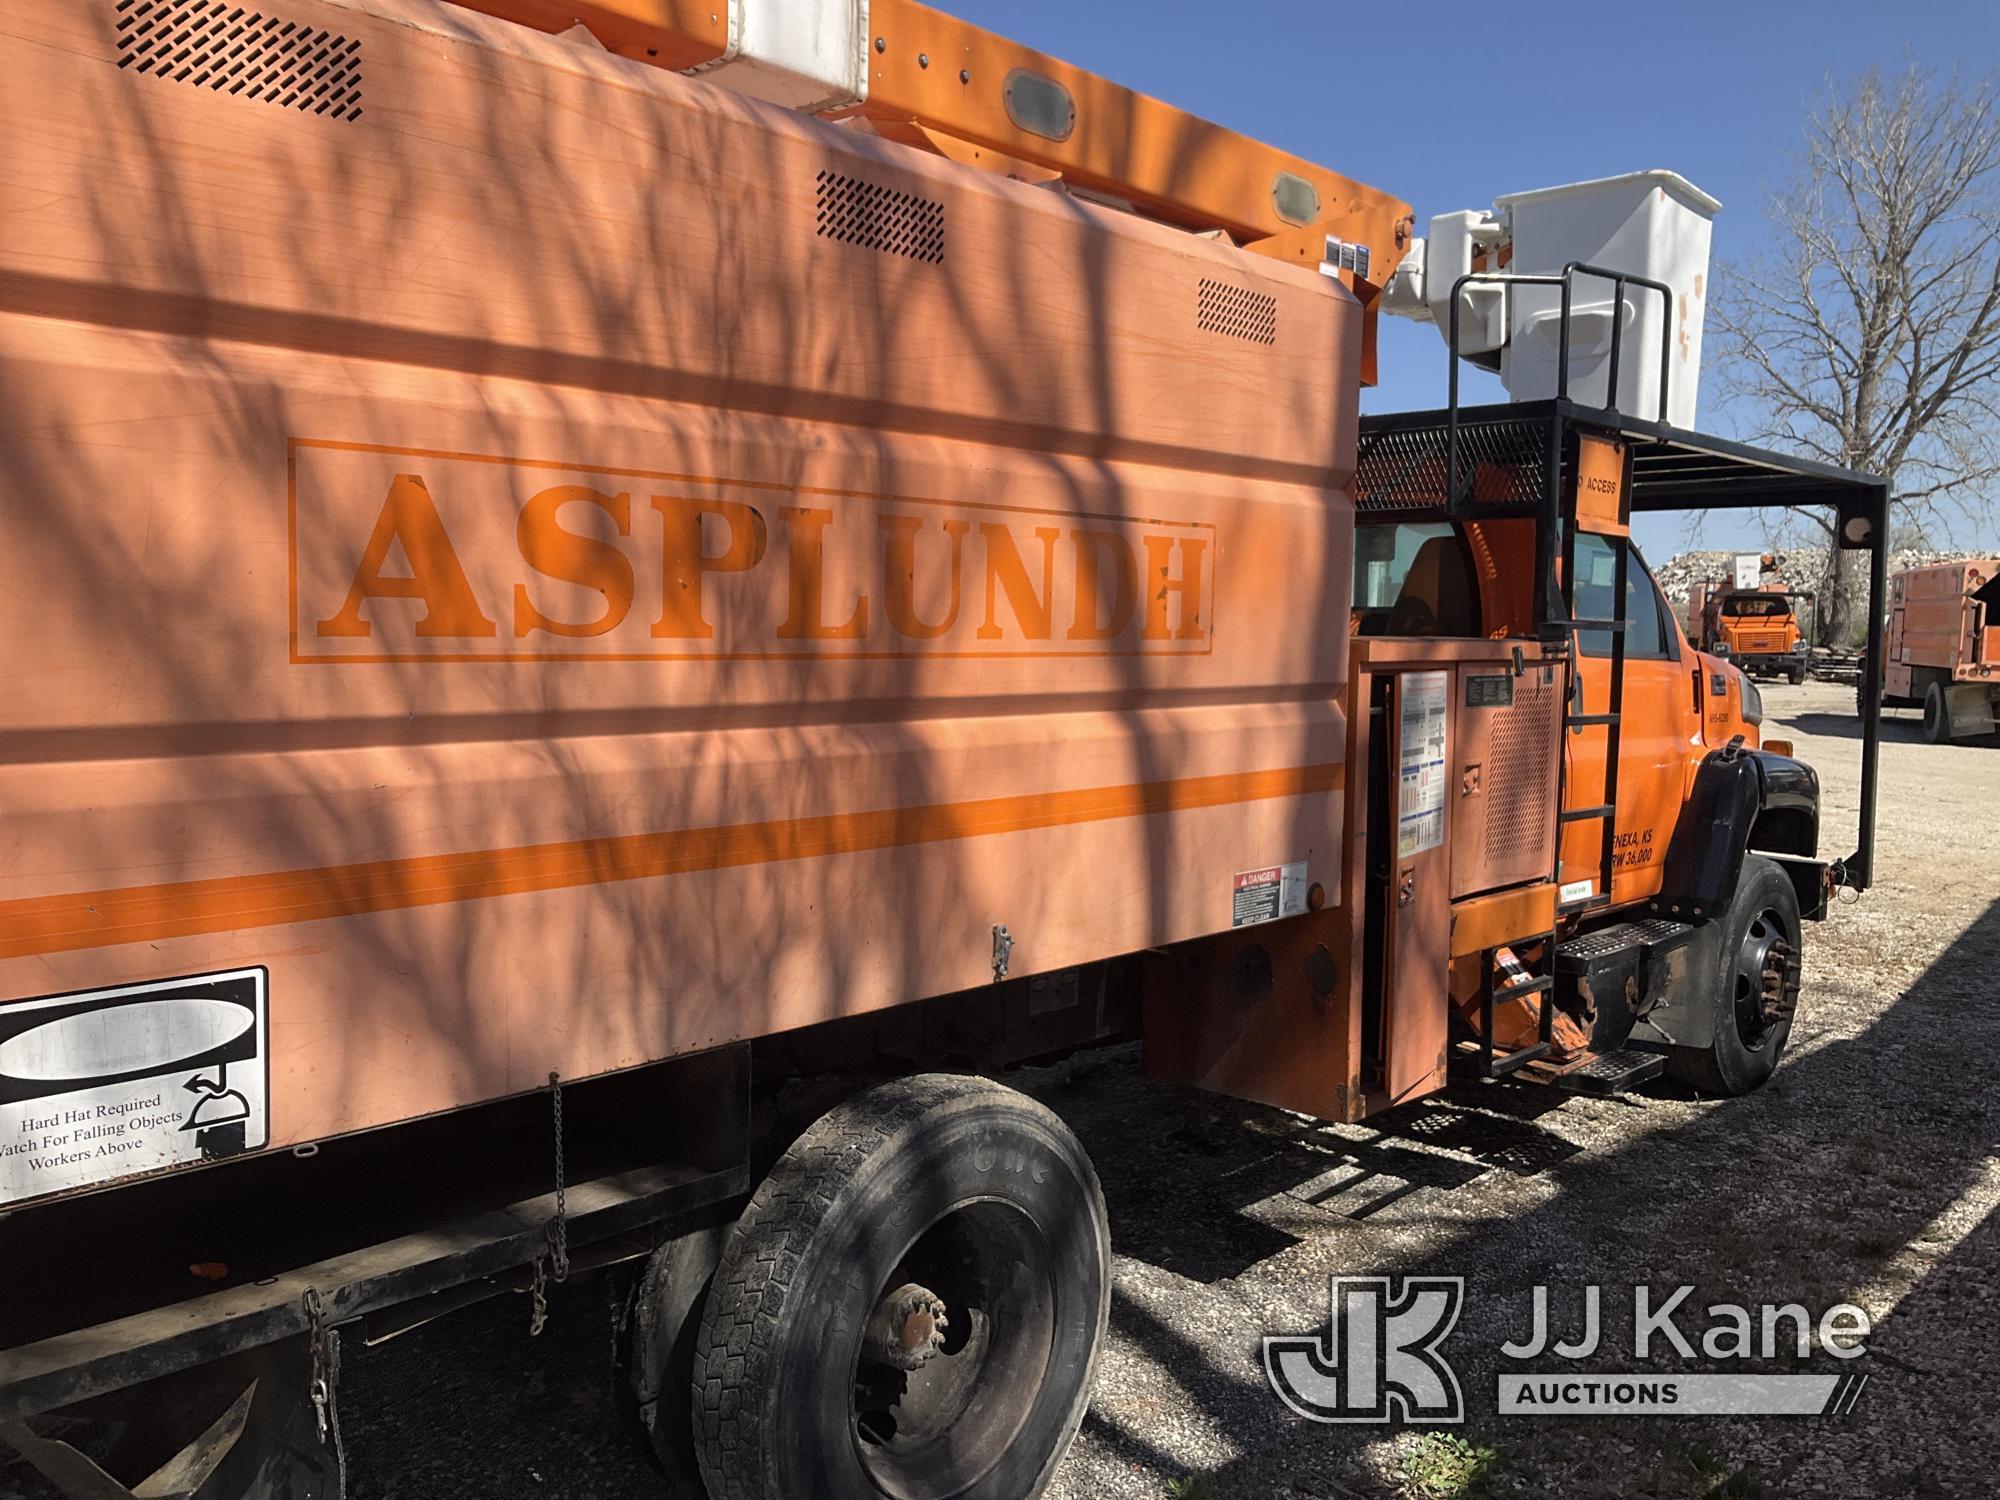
323	1344
558	1230
538	1299
555	1264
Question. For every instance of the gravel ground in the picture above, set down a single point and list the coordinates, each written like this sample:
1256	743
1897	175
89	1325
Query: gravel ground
1864	1173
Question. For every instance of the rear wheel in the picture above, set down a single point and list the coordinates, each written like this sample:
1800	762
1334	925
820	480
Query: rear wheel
1756	988
660	1354
910	1306
1937	716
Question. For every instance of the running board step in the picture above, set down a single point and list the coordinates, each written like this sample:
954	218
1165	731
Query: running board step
1611	1072
1619	943
1624	964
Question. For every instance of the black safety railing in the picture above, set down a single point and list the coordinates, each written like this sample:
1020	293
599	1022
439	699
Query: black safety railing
1550	519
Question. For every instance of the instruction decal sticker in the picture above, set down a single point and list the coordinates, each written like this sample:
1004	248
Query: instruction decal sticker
106	1084
1420	785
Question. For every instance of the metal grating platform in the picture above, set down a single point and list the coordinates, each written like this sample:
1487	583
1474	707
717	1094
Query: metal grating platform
1606	942
1505	462
1403	462
1609	1072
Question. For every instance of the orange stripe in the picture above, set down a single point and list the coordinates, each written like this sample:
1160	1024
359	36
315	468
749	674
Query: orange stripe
93	919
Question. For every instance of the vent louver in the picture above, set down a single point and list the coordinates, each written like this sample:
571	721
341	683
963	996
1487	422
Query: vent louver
1519	825
1237	311
241	53
879	218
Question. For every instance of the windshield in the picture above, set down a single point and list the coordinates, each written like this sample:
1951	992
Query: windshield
1757	606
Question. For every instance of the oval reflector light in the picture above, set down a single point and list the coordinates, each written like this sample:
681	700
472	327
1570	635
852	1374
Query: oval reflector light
1039	105
1296	200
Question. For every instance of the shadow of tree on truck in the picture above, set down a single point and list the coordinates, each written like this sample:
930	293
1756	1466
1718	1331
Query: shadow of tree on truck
527	248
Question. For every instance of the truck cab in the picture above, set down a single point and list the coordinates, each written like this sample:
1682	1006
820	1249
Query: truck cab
1678	703
1759	630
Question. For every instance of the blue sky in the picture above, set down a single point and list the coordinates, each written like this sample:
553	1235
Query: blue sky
1451	104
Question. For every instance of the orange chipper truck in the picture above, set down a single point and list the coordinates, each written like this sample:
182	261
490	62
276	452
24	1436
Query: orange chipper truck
1942	650
580	571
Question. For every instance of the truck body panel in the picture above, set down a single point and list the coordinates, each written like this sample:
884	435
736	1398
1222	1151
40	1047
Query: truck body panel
1942	619
563	571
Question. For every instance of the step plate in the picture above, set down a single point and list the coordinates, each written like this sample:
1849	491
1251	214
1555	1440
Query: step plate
1581	954
1611	1072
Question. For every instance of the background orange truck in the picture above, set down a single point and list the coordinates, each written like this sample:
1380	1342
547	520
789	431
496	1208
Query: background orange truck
1942	652
614	604
1757	627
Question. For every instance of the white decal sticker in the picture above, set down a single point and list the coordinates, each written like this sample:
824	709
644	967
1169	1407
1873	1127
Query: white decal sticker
1577	890
1268	894
107	1084
1420	789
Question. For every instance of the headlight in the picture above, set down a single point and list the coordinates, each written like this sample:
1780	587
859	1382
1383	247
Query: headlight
1753	701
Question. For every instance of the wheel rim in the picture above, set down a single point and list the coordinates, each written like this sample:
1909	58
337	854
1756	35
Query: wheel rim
1766	988
956	1352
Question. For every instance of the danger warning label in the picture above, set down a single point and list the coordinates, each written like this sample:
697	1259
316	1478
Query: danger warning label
1268	894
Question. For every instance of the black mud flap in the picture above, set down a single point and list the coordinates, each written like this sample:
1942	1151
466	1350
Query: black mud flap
1705	855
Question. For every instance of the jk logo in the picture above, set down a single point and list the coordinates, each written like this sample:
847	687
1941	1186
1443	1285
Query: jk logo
1378	1361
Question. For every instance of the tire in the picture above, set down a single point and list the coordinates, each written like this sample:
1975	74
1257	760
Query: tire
1797	675
1937	716
660	1351
1755	989
951	1189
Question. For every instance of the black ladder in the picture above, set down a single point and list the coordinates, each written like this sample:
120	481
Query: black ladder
1577	720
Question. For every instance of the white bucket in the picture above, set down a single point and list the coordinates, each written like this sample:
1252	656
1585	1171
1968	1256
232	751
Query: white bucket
1651	224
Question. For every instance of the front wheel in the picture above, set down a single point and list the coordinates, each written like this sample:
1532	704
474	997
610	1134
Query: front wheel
1756	987
1797	674
911	1306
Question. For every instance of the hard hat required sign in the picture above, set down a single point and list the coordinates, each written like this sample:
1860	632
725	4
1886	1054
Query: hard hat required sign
107	1084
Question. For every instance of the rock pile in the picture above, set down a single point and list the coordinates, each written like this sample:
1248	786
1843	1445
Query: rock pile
1802	569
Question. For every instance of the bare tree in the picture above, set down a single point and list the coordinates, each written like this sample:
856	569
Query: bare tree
1867	333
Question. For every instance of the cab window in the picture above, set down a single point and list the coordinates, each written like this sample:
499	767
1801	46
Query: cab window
1756	606
1647	635
1414	579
